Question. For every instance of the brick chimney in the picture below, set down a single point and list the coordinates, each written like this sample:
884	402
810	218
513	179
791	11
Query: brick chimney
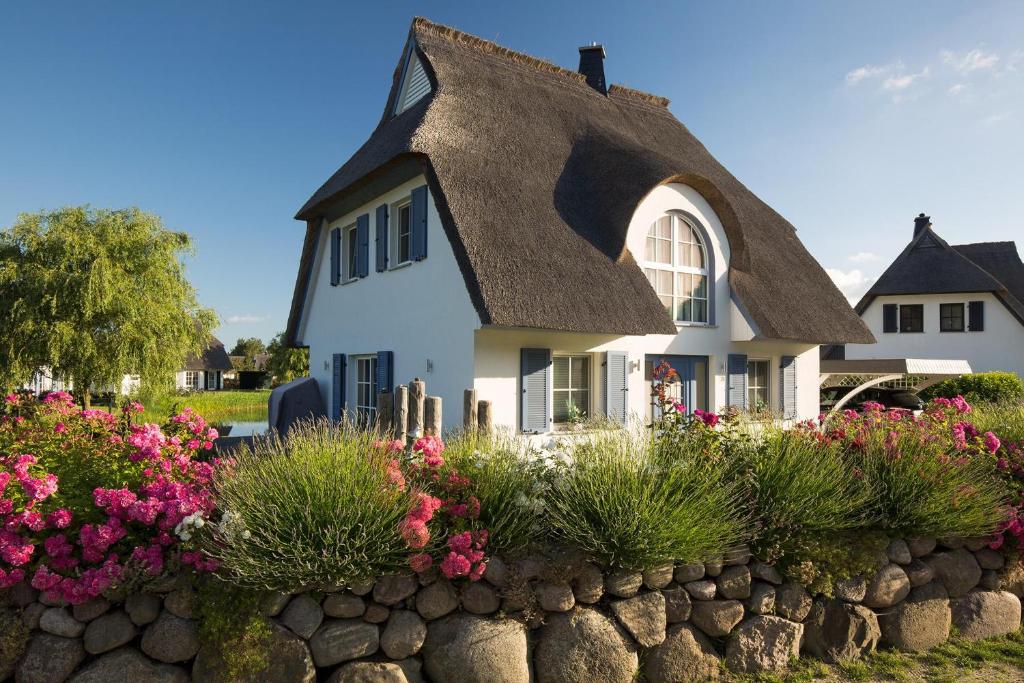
921	223
592	66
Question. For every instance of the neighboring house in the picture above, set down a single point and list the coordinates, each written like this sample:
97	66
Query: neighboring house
204	372
43	381
938	300
524	230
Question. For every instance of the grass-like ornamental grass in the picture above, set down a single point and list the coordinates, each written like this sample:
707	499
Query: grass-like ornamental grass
628	508
1005	419
319	512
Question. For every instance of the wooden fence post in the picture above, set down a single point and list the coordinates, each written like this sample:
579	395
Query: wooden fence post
432	415
401	412
469	418
485	418
385	412
417	392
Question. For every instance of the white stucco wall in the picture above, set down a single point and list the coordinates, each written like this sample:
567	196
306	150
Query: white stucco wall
999	347
498	351
421	312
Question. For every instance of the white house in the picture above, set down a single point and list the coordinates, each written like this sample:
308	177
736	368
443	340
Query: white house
948	301
524	230
204	372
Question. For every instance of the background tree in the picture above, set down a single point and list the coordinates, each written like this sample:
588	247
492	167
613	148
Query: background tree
95	294
248	349
286	364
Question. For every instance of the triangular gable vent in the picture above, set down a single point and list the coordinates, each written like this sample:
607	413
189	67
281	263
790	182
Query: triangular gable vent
415	83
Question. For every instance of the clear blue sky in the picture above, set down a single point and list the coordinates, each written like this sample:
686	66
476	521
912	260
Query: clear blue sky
848	118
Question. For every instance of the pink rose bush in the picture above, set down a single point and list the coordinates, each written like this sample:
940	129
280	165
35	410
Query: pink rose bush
89	499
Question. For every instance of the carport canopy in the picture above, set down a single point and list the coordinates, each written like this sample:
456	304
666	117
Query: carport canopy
912	374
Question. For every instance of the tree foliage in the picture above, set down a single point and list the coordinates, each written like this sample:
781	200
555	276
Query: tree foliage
285	363
248	349
95	294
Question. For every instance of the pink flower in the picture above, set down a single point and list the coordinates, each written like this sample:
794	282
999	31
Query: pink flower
60	428
59	518
455	565
394	474
414	532
430	447
708	418
421	563
992	442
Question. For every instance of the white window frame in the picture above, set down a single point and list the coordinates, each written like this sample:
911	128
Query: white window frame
191	380
681	227
767	388
364	410
349	253
210	379
569	392
396	234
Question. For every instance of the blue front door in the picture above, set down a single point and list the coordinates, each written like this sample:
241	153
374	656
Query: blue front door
692	387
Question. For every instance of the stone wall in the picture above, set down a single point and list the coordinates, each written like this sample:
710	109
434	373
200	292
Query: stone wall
562	620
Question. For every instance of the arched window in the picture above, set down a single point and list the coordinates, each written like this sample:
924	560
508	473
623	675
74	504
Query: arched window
676	262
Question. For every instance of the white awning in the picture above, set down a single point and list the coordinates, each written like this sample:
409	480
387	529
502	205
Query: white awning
912	374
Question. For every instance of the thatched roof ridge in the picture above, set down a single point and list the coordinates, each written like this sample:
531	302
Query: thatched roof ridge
537	175
214	357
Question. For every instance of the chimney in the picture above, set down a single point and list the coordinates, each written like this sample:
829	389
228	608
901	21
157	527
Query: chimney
921	223
592	66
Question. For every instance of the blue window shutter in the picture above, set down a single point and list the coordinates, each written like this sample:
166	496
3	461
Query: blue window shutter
382	238
890	312
363	245
736	384
335	256
385	371
976	316
787	382
418	227
338	386
535	380
616	389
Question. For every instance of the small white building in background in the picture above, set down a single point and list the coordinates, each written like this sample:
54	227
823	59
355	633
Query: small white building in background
938	300
521	229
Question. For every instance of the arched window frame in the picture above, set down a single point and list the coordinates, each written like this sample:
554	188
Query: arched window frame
709	263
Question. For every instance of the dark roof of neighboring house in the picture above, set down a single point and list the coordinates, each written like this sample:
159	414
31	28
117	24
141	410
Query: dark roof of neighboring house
929	265
214	357
536	176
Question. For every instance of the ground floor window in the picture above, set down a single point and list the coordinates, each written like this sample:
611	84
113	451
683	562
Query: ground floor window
192	380
571	388
366	388
211	379
757	384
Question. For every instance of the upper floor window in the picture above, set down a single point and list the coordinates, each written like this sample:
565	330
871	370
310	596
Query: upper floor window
403	234
951	317
351	237
676	264
911	318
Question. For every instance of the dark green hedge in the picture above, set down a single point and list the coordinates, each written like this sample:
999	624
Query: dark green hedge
983	387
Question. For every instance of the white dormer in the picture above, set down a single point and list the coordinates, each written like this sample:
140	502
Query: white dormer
415	83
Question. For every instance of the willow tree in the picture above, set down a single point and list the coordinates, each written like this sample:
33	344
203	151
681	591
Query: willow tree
96	294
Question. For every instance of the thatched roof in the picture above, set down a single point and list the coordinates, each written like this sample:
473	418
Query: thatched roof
537	175
214	357
929	265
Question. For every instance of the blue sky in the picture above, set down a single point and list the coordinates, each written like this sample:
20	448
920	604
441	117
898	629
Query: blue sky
848	118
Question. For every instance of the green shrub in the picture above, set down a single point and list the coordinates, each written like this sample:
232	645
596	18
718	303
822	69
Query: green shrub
919	490
818	561
509	486
981	387
315	511
801	487
628	508
233	629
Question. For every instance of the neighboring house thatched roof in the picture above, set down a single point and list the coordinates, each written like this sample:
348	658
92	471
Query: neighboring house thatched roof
214	357
929	265
537	175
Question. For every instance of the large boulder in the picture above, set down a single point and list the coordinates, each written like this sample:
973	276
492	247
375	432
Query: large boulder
480	598
368	672
340	640
983	614
717	617
436	600
920	622
59	622
404	634
685	656
734	582
109	632
677	604
171	639
792	601
130	665
49	659
583	646
763	643
644	617
889	585
958	571
472	649
288	660
303	615
837	630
